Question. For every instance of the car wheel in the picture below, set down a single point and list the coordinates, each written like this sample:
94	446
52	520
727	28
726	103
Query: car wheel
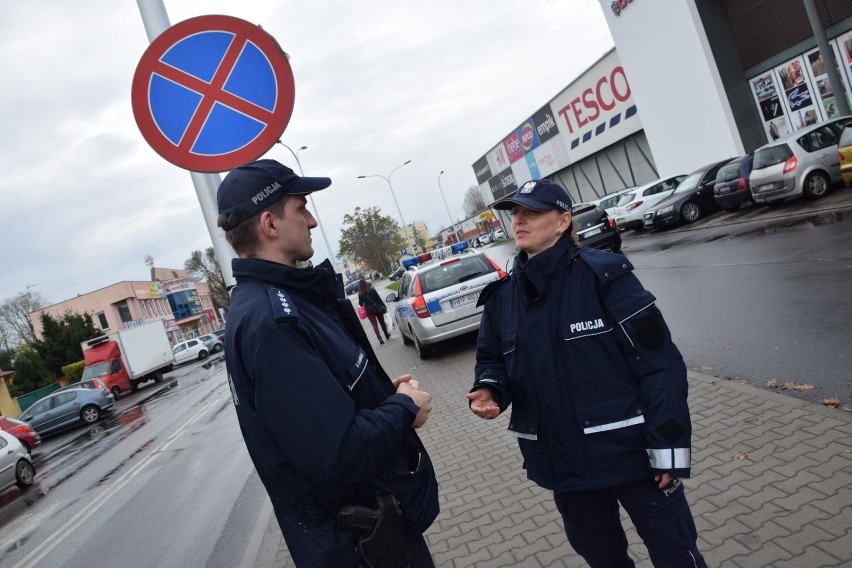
217	348
134	385
816	185
202	355
90	414
24	473
690	212
116	392
423	351
405	339
158	376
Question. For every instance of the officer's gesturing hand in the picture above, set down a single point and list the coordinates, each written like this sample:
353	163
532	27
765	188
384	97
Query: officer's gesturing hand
482	403
407	386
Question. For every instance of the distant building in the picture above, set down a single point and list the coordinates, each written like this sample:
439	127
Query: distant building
418	234
183	304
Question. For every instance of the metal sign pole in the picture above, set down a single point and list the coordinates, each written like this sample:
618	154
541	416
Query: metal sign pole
156	21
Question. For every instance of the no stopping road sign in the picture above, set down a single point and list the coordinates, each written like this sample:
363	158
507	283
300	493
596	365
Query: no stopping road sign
212	92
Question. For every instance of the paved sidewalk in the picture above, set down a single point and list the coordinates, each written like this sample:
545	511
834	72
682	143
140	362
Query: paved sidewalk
771	485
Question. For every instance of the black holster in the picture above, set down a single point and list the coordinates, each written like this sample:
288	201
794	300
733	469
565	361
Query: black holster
383	542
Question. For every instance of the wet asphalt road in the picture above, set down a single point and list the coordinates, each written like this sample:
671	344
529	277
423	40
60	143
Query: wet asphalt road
756	296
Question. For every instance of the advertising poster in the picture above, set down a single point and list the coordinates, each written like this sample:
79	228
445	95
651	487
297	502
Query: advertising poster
819	77
766	95
797	94
844	45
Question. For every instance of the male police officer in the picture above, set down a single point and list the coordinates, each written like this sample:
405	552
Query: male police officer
598	390
325	426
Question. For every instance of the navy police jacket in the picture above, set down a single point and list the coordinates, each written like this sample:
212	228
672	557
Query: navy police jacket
320	417
574	343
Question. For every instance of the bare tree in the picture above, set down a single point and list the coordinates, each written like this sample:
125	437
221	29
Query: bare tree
473	201
15	319
205	267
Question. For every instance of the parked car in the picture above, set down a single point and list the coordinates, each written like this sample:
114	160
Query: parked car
220	333
65	408
484	239
594	227
396	274
212	342
16	466
844	154
190	350
631	208
732	187
692	198
438	294
611	200
22	431
498	235
805	162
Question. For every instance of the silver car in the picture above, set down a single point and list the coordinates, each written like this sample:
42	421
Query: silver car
802	163
438	293
16	466
67	408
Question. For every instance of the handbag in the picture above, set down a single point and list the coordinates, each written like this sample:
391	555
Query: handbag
362	312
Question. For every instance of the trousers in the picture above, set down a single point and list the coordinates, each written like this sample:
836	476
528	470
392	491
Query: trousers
661	517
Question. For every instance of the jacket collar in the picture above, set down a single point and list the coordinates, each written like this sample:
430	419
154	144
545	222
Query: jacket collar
317	283
533	274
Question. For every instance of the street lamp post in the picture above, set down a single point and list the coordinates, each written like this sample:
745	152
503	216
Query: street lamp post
387	179
449	215
311	197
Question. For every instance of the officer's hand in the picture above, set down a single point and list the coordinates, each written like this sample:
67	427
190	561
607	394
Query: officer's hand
401	379
421	398
662	479
482	404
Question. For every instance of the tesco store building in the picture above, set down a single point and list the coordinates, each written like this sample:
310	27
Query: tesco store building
688	82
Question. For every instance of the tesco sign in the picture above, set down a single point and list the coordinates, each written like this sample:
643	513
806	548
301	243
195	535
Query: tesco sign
597	109
587	106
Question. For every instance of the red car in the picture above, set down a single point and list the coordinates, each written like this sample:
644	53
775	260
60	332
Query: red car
22	431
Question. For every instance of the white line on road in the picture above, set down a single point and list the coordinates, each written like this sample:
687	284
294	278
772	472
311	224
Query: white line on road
32	559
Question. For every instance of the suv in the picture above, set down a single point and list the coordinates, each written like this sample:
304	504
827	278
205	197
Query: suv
594	227
802	163
438	294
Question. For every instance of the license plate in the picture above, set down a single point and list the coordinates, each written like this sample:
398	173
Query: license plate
591	233
765	187
724	190
464	300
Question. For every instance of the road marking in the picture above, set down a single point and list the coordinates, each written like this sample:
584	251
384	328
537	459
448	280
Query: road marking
32	559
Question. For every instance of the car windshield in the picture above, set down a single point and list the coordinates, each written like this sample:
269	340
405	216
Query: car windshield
95	371
690	183
771	156
454	272
729	172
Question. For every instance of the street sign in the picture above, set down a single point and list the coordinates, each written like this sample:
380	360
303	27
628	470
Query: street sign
213	92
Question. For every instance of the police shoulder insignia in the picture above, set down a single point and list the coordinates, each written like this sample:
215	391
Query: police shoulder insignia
283	308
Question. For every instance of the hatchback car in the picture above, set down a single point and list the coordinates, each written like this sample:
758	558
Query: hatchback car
212	342
844	154
594	227
630	210
732	187
396	274
190	350
612	200
16	466
438	293
692	198
498	235
66	408
22	431
805	162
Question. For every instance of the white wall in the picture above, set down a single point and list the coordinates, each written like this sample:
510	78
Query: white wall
675	83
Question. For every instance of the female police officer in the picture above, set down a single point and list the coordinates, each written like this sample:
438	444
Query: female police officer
598	390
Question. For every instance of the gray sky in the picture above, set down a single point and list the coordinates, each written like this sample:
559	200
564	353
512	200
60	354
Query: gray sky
83	198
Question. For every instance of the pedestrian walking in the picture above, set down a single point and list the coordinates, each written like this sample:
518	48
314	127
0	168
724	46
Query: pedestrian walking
574	343
375	308
331	436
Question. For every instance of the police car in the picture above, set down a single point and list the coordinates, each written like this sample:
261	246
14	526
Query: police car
438	293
